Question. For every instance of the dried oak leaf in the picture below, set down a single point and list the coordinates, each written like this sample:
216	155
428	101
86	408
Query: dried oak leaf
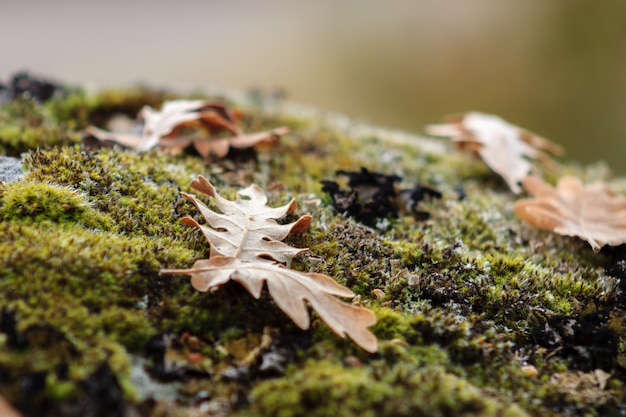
163	129
504	147
593	212
246	247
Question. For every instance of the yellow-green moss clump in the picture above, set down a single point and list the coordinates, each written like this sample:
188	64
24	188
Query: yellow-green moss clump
35	202
322	389
25	124
478	314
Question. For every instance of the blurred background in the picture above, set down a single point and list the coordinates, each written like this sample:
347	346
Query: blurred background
557	67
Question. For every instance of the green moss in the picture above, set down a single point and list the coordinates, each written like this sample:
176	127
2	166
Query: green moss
25	124
73	109
57	271
39	202
324	389
141	196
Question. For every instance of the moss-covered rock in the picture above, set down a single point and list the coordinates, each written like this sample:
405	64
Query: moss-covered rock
478	314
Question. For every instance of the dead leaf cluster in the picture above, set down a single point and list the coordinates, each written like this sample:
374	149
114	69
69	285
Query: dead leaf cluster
246	247
209	127
592	213
505	148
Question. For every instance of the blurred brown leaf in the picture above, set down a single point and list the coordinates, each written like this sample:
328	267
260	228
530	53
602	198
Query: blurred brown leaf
246	247
167	129
7	410
593	212
504	147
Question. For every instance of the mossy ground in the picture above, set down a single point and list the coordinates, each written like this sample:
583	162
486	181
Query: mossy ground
469	302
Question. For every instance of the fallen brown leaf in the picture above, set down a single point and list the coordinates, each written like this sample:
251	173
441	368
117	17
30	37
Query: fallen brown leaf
504	147
246	247
163	129
7	410
593	212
